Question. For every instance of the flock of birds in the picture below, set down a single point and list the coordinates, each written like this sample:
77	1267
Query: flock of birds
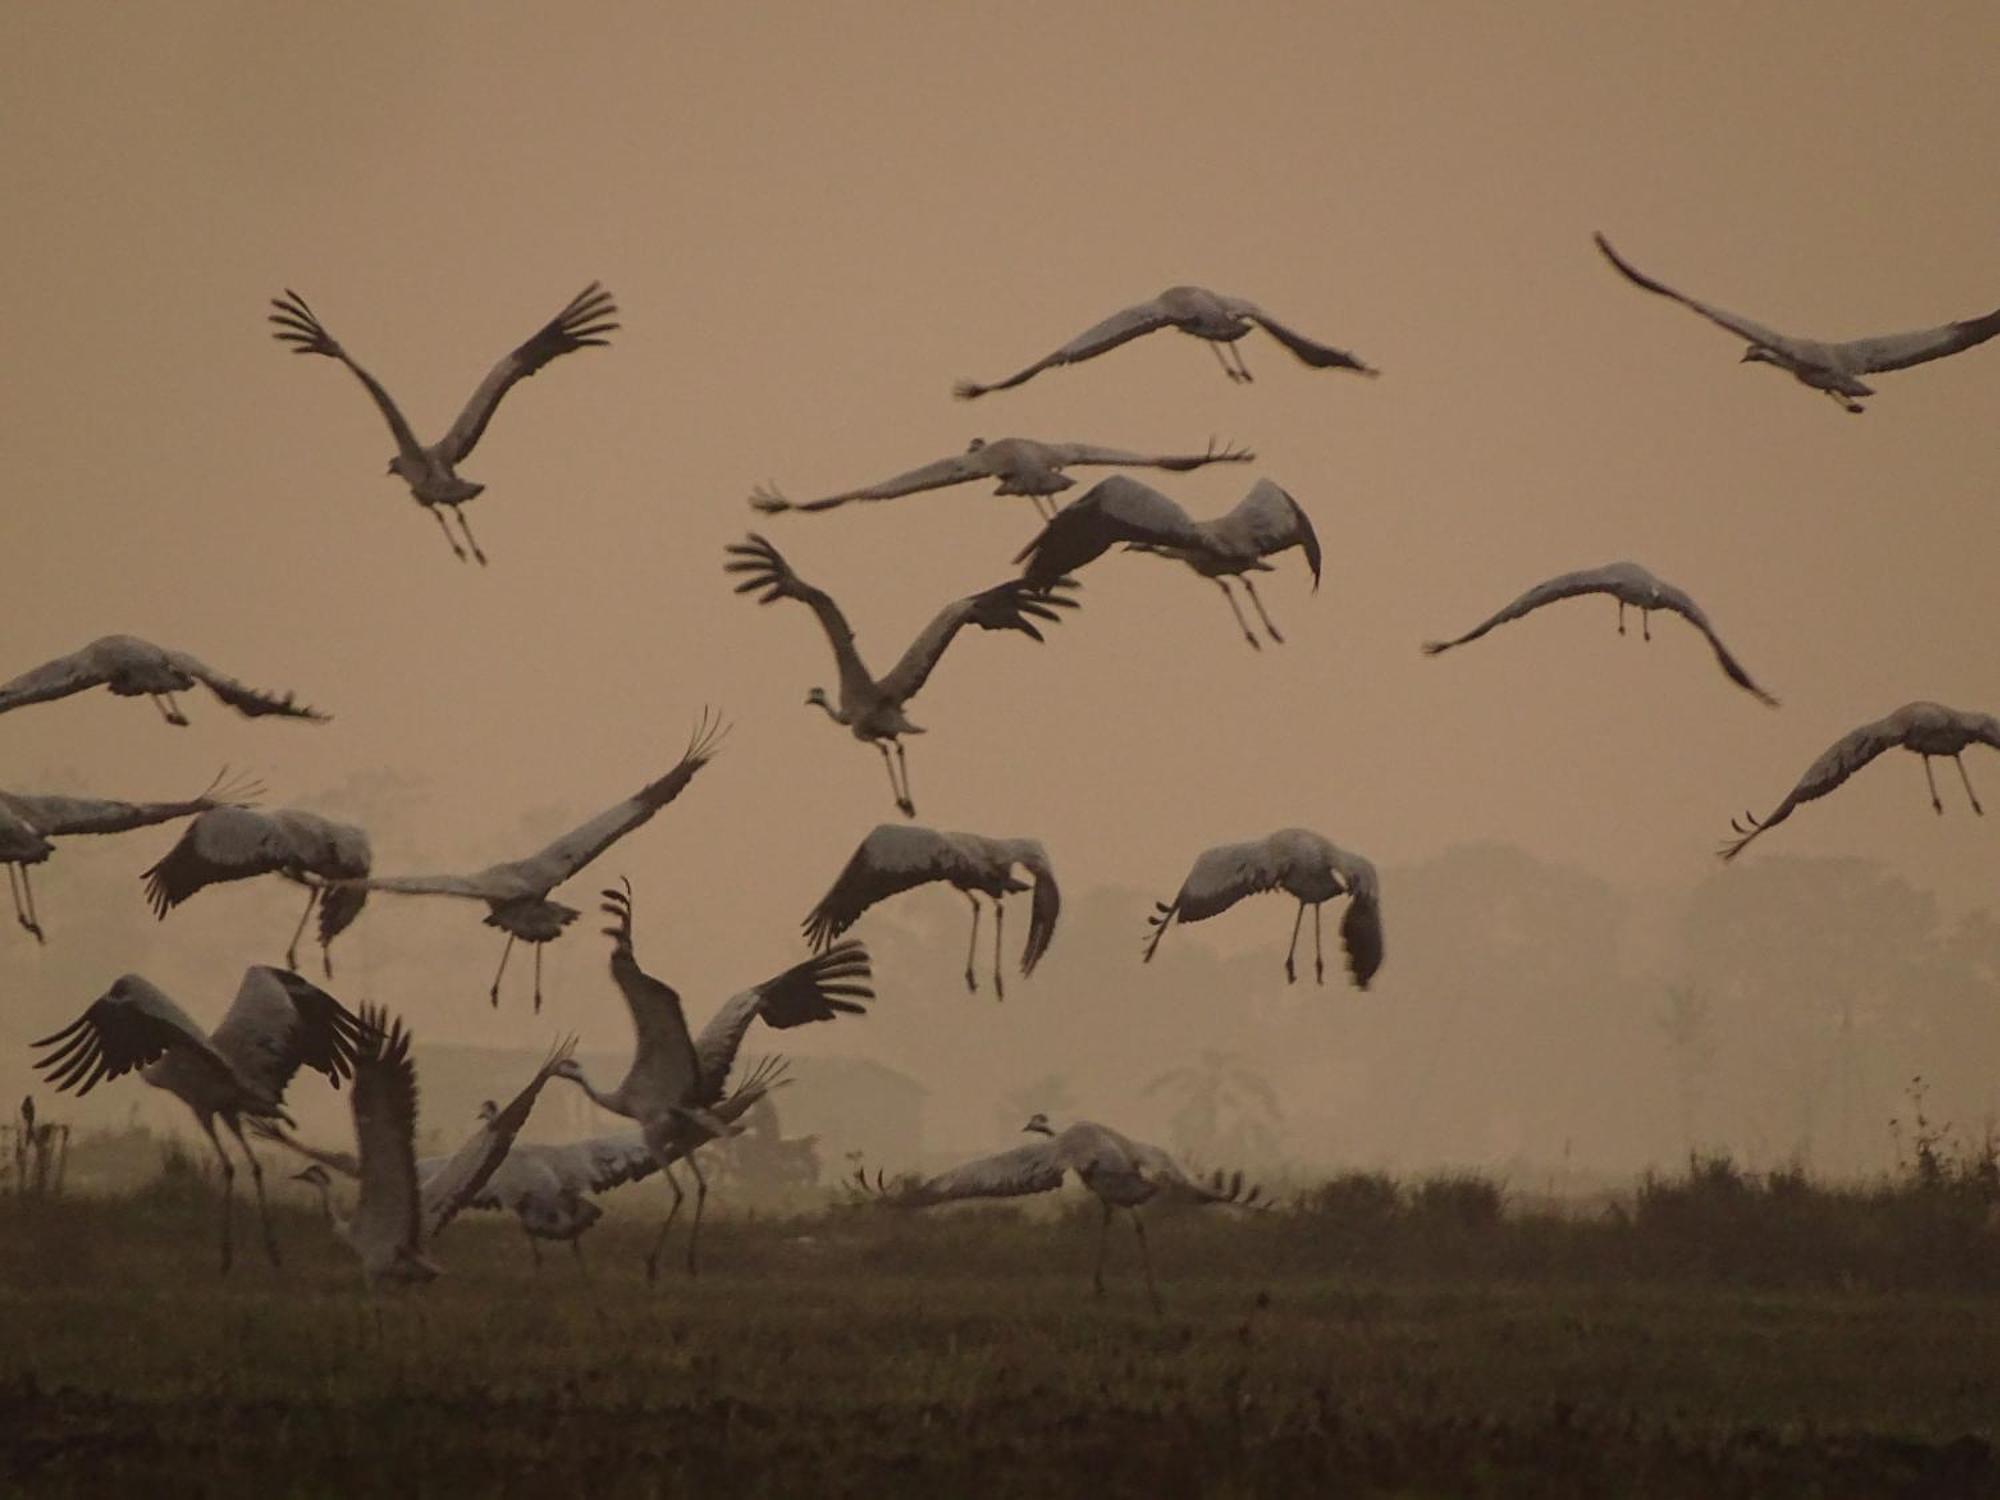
678	1090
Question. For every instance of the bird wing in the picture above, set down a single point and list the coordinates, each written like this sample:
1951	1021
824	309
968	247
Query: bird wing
474	887
1013	605
769	576
1045	908
1064	455
224	843
1897	351
580	325
1564	586
1267	521
946	471
823	988
388	1214
895	857
1736	323
1116	509
280	1022
1839	761
598	1164
343	1162
1224	875
1120	328
245	700
55	816
665	1071
128	1027
54	679
544	871
1034	1168
1682	604
298	327
449	1189
1311	351
1361	924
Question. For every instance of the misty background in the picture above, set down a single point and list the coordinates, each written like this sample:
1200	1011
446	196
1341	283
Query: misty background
813	221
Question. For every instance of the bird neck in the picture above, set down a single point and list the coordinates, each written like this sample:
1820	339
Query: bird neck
839	716
603	1101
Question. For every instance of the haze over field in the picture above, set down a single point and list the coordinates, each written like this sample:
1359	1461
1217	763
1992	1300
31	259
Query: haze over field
814	221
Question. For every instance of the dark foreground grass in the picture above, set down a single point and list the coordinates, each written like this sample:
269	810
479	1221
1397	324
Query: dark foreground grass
872	1353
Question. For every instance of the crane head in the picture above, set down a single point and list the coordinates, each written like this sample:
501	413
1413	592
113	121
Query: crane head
1039	1124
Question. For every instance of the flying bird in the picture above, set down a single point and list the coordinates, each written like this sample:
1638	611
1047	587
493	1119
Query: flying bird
1304	865
29	822
278	1023
676	1085
1923	729
1628	583
133	668
432	472
896	858
1022	465
239	843
1835	369
517	893
870	707
1121	1172
1265	522
1194	310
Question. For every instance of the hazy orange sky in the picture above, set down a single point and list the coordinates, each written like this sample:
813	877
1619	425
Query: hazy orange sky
813	220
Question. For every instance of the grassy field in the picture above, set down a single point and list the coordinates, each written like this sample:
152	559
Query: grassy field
867	1352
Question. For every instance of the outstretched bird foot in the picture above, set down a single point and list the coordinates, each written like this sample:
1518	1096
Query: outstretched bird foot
493	995
1255	644
33	927
1274	634
906	807
1291	973
1319	972
178	720
1937	807
971	983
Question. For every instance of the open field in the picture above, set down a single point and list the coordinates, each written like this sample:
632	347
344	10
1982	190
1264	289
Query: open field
859	1351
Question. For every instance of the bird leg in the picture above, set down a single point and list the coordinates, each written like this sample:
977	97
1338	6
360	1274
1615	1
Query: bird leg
292	948
1291	972
972	946
1646	623
168	710
257	1179
1103	1239
1223	360
1970	795
1251	589
1241	624
228	1196
653	1256
1931	781
905	800
538	977
444	526
24	900
494	993
1621	616
999	920
1319	955
1146	1259
700	1199
1242	370
459	511
895	791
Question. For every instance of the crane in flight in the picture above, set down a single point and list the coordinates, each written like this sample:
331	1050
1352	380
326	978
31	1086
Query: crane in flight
278	1023
133	668
677	1081
1265	522
871	707
1022	465
1306	866
1926	730
29	823
1834	369
1119	1171
896	857
1219	319
1629	584
516	892
431	471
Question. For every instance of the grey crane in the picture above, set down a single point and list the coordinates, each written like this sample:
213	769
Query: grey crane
133	668
1119	1171
871	707
1306	866
30	822
516	893
278	1023
1022	465
1628	583
677	1081
1923	729
1265	522
1832	368
239	843
896	858
1219	319
432	472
